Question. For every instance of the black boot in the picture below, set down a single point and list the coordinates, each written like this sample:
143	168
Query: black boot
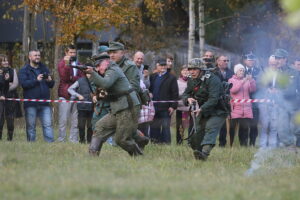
140	139
81	136
204	153
10	135
95	146
136	151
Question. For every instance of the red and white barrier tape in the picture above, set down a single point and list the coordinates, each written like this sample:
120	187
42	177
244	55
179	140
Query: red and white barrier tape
251	101
171	101
47	100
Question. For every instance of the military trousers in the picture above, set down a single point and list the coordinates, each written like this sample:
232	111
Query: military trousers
121	125
207	130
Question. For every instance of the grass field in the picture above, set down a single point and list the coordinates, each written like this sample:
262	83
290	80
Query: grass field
30	171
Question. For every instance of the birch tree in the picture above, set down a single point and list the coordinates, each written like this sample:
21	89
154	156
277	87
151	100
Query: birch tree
191	29
201	27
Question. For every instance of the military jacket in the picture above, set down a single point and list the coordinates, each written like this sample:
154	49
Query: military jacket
131	72
207	91
115	82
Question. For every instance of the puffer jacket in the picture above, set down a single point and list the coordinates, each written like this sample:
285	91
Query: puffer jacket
241	90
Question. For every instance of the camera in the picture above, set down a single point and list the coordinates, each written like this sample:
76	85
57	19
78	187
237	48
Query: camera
208	60
101	94
45	76
3	72
226	87
73	61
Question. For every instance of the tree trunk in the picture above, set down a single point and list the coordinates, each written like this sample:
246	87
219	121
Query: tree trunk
191	29
28	32
201	28
95	48
26	35
57	56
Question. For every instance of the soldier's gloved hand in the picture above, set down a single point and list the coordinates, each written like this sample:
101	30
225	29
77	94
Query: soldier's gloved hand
191	100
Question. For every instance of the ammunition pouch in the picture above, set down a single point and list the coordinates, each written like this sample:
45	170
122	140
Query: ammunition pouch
115	97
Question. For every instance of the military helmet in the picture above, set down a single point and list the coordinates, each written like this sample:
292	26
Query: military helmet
197	63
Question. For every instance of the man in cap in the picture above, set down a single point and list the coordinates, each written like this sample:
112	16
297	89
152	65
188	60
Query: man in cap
116	51
252	70
296	66
124	104
205	89
284	87
164	87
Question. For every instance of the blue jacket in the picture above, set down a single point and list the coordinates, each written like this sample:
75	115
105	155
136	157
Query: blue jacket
32	88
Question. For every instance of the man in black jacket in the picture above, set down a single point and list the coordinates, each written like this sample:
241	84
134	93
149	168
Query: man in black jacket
163	87
224	73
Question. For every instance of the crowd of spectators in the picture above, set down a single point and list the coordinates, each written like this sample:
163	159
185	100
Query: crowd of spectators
274	120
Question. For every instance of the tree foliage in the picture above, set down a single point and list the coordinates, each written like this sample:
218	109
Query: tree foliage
292	7
75	18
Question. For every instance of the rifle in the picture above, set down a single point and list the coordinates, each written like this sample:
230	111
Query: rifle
193	114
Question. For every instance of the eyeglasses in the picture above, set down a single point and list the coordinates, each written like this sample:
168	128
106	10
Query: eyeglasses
225	60
250	56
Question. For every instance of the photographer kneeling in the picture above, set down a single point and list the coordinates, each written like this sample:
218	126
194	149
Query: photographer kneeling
206	89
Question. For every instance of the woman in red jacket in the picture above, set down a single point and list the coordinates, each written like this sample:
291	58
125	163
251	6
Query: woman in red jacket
241	113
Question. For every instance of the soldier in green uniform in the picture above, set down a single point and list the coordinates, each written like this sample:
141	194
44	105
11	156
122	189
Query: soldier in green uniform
117	54
205	89
122	120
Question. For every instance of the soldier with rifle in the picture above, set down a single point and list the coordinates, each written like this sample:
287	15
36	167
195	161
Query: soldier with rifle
122	120
205	89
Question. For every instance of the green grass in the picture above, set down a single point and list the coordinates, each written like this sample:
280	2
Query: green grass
65	171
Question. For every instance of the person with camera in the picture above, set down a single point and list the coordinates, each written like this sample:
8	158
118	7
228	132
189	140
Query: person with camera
224	72
11	109
241	113
36	82
122	119
4	86
204	89
68	111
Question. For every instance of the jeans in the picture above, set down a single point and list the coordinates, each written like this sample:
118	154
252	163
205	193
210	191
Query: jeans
44	113
160	128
